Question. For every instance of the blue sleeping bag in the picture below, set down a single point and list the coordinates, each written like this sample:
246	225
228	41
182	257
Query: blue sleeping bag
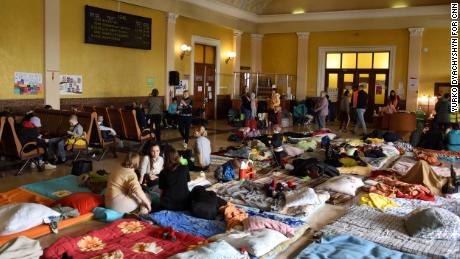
350	247
454	140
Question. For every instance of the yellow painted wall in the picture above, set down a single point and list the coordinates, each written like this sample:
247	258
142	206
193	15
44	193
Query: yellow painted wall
435	64
111	71
21	43
279	53
185	28
245	60
398	38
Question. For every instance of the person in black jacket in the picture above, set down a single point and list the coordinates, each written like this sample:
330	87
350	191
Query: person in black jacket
173	183
184	109
361	105
27	133
277	143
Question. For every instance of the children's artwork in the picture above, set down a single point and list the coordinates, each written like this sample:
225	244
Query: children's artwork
28	83
183	85
71	85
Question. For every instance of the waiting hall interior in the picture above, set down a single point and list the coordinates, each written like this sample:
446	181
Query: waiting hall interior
229	129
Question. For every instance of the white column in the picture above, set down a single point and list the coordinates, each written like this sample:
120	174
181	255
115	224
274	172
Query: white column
256	53
413	70
302	62
170	45
52	53
237	61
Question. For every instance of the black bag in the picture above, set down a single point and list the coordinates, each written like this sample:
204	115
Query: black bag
81	166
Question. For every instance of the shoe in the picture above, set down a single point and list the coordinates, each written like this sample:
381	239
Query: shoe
49	166
33	165
185	145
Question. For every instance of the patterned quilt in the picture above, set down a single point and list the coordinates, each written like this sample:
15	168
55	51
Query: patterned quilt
388	229
124	238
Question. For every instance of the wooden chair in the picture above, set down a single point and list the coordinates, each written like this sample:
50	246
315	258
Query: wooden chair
86	120
133	132
97	140
53	123
12	147
116	121
103	111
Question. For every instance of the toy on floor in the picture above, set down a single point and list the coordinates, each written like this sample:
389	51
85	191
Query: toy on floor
275	189
167	233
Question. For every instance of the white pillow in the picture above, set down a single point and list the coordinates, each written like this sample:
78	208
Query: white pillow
258	242
346	184
215	250
18	217
301	197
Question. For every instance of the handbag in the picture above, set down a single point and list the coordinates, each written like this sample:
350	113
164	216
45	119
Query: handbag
81	166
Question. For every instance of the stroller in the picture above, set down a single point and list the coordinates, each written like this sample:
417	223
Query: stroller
301	116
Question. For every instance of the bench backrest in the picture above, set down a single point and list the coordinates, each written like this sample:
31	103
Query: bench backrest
88	108
117	122
10	144
133	131
102	111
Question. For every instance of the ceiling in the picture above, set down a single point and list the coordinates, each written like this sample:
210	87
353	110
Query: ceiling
267	7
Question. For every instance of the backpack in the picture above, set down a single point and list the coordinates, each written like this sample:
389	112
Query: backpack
81	166
226	173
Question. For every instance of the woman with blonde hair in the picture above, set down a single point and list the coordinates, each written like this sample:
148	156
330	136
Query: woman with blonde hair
124	193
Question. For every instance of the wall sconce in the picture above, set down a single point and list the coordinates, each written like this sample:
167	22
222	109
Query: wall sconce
185	49
230	55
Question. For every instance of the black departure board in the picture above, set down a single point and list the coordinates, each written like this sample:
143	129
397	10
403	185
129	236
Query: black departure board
107	27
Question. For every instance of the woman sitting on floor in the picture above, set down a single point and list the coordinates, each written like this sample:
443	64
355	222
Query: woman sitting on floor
202	150
124	193
151	166
173	183
432	139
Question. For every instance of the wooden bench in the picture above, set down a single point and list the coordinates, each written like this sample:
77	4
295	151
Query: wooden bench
11	146
116	121
132	130
55	124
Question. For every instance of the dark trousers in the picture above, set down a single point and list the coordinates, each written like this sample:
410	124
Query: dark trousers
170	119
155	119
278	155
184	127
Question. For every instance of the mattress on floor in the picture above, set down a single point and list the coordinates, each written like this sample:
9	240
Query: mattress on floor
346	246
56	188
129	238
22	196
43	229
388	230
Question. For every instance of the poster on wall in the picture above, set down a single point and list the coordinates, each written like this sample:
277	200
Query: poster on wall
28	83
183	85
333	94
71	85
379	87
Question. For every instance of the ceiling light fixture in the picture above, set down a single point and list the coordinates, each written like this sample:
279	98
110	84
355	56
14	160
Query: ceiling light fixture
298	11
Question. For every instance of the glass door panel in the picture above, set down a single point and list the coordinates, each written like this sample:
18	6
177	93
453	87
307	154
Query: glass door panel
332	86
380	89
363	79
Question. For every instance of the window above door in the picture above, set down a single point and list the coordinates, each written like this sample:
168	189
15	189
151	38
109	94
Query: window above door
358	60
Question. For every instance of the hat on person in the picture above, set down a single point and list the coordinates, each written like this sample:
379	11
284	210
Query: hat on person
36	121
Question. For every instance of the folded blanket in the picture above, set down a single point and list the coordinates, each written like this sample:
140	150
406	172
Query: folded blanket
345	246
183	222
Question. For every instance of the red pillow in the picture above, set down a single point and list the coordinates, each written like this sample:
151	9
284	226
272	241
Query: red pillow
84	202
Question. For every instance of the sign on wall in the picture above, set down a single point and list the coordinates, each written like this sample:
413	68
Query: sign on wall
28	83
71	85
107	27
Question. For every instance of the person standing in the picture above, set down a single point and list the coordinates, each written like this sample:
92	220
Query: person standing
253	105
184	109
392	103
442	109
155	110
275	105
344	115
322	110
361	104
246	104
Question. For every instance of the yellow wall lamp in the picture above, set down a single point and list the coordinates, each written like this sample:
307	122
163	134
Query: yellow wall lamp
230	55
184	50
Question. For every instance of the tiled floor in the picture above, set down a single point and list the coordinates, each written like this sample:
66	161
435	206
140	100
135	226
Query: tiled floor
218	132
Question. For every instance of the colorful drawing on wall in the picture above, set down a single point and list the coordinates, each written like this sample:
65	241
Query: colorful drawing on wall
71	85
28	83
151	82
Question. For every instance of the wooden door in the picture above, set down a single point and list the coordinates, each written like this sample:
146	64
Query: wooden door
204	80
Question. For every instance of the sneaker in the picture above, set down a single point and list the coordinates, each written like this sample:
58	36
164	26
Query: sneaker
49	166
185	145
33	165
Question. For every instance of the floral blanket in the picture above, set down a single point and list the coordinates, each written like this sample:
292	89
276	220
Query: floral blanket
124	238
392	188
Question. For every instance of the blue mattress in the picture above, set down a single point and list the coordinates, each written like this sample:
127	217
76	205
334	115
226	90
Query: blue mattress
56	188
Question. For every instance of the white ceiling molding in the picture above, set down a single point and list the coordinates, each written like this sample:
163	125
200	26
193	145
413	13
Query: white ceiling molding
318	16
